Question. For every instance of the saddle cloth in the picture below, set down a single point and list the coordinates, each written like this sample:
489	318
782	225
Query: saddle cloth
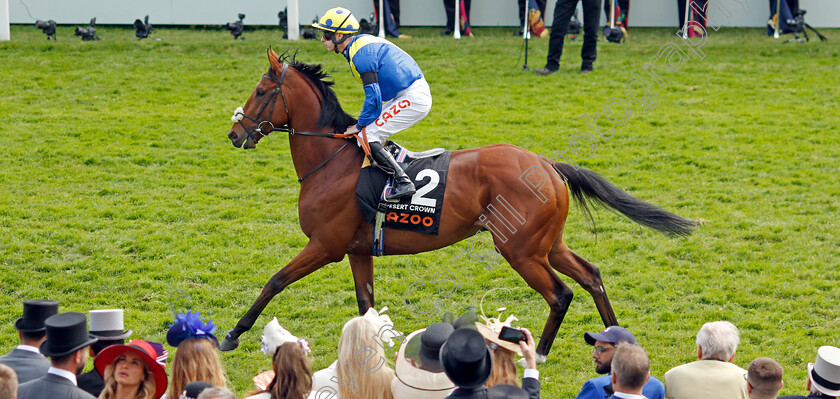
420	212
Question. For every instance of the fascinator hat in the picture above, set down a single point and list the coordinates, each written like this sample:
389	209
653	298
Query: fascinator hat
189	325
275	335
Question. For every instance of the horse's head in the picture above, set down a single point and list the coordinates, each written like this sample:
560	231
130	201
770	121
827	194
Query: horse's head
265	111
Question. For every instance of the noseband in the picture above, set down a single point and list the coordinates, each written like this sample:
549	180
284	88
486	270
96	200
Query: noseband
239	114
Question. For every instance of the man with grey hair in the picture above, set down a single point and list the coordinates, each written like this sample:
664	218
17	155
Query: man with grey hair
630	371
712	375
8	382
216	393
764	378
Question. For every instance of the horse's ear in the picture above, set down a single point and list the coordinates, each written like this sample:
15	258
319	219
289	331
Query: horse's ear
273	59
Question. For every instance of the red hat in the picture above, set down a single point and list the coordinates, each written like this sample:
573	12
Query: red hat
140	348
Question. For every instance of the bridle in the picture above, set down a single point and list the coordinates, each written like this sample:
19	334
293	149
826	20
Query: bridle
240	114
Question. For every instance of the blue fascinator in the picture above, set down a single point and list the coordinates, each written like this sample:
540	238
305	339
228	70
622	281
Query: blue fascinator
189	325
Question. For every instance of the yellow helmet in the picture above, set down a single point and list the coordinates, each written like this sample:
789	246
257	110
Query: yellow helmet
338	20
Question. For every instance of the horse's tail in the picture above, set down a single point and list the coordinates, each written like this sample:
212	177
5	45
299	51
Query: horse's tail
587	186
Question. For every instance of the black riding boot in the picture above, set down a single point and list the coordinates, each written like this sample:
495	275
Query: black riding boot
404	185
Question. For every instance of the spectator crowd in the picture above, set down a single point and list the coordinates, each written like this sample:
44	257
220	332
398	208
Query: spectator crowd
455	358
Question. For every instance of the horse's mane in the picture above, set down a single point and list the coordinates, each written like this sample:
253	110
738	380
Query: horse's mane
331	112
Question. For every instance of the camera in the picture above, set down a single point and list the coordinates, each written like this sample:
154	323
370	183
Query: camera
236	28
88	33
48	27
371	27
142	29
512	335
798	22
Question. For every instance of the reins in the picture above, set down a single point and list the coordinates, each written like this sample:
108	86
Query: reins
239	114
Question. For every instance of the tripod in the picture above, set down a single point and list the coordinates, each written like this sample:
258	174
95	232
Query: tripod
526	34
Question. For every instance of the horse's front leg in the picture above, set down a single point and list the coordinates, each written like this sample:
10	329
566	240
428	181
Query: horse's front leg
362	266
311	258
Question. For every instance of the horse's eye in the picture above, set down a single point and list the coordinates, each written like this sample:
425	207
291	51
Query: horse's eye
260	92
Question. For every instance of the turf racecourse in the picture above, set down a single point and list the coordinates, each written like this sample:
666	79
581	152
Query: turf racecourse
120	189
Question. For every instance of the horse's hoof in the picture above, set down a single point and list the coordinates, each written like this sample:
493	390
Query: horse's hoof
540	358
228	344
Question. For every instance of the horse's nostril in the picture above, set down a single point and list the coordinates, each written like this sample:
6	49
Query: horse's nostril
232	135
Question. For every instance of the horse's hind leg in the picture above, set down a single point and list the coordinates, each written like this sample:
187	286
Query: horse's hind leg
586	274
539	276
362	266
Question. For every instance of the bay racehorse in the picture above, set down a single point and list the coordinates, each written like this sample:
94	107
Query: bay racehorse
293	97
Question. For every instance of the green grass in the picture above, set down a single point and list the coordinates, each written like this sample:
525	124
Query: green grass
120	188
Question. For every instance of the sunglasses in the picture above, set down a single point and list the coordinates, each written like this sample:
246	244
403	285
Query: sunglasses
328	35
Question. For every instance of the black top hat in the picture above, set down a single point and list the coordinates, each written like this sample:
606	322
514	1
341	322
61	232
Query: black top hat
66	333
35	311
466	358
430	342
505	391
193	389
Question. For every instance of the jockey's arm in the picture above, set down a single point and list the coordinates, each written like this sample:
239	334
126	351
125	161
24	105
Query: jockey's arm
372	107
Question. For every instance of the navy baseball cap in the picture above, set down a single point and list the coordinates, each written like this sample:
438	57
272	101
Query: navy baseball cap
611	334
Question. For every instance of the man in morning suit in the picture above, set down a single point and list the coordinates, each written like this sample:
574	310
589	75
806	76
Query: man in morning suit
26	360
66	346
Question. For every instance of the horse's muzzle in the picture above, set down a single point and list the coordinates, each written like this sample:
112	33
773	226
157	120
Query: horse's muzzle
242	141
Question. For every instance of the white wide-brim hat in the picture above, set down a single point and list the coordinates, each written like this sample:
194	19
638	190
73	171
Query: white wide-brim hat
413	382
825	371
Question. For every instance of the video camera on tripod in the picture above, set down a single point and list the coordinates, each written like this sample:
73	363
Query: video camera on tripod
236	28
798	25
88	33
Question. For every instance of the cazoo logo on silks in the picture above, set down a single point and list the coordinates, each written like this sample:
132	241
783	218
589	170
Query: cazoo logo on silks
395	109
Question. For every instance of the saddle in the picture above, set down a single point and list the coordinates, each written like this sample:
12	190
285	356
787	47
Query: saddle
420	212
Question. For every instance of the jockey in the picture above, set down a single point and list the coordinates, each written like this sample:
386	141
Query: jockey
390	76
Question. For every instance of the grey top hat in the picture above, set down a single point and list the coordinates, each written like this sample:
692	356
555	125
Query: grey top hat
66	333
825	371
107	324
466	358
35	311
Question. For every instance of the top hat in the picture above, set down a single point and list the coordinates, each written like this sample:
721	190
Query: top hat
611	334
66	333
466	359
193	389
825	371
107	324
35	311
412	381
505	391
139	348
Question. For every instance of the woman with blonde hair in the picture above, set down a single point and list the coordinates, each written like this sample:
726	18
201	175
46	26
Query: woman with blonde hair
362	365
131	372
196	357
372	377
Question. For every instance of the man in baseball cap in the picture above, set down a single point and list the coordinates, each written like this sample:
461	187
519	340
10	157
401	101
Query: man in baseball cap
26	360
604	343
